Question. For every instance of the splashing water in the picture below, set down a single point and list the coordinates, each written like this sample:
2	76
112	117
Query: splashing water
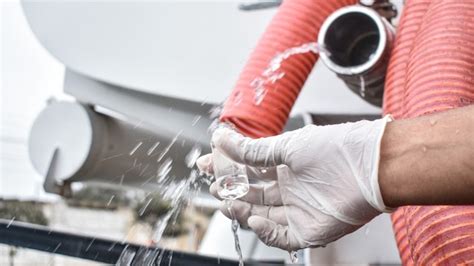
153	148
57	247
178	193
90	244
160	226
235	228
110	200
136	148
214	115
144	169
293	256
271	74
170	257
192	156
215	111
138	124
167	149
126	257
195	120
164	169
143	209
11	221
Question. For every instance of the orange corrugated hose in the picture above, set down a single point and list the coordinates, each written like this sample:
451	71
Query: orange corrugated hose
431	70
410	21
297	22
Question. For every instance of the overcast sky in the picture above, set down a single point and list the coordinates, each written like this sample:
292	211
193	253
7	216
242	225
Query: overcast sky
29	76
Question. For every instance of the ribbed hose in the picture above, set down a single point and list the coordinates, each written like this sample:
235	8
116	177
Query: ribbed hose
410	22
438	76
297	22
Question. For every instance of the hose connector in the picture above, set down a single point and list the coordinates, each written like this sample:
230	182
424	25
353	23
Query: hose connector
358	43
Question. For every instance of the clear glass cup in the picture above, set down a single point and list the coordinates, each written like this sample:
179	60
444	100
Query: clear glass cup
231	177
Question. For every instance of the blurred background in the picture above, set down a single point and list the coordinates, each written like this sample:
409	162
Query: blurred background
105	106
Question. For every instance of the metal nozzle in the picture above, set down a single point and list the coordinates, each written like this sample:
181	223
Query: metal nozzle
358	42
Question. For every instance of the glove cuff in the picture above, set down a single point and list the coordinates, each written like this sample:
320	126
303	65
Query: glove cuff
375	199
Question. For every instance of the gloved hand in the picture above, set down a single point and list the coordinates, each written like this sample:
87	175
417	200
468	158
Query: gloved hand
323	181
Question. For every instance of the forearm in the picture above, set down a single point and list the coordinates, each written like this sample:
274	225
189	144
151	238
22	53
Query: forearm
429	160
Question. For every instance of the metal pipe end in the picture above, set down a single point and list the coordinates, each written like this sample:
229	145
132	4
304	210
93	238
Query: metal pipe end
355	38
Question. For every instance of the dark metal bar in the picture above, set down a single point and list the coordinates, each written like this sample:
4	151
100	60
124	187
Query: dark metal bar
331	119
101	250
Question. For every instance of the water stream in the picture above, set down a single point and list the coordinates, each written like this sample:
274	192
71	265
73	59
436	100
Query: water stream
272	74
235	228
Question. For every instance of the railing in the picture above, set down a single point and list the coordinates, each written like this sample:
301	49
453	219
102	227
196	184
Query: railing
102	250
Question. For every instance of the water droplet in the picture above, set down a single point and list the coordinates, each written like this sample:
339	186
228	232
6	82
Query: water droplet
192	156
152	149
110	200
195	120
143	209
433	121
457	131
90	244
112	157
57	247
259	95
11	221
138	124
204	101
170	257
112	246
258	82
164	169
143	170
424	149
136	148
166	150
274	78
207	181
160	226
215	111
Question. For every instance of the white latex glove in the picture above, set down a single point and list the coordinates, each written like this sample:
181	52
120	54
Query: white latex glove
325	181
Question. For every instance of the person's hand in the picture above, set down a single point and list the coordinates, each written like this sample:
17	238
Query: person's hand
323	181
